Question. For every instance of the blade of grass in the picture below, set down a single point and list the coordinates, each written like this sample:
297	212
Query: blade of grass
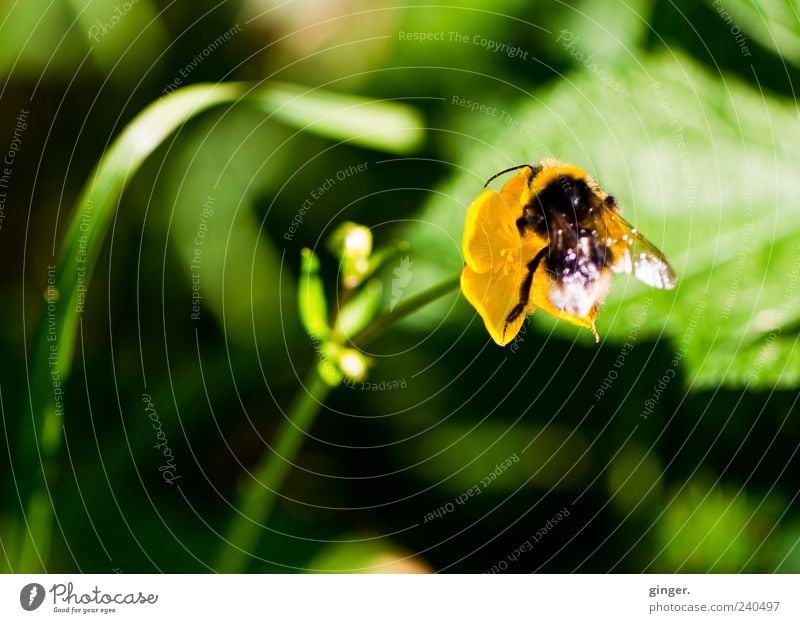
58	326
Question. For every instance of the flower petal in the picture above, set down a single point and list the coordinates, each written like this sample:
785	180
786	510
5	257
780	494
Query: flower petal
517	190
494	294
490	226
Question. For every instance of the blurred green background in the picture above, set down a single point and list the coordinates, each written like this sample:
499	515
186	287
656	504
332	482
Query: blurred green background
671	445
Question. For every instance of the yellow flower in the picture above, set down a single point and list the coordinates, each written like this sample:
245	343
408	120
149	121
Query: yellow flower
495	258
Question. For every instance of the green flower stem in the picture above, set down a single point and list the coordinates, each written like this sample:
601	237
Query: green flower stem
260	494
261	490
406	309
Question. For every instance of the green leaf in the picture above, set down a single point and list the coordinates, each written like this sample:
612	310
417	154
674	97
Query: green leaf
775	24
37	41
705	168
352	244
124	38
388	126
556	457
329	372
372	555
214	229
582	34
311	297
385	254
715	528
359	311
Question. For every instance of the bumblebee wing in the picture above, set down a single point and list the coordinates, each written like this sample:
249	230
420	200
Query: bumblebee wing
633	253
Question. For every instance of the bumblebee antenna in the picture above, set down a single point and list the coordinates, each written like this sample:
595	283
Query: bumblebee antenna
504	171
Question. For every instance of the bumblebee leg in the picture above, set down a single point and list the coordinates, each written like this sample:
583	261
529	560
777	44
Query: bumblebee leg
525	289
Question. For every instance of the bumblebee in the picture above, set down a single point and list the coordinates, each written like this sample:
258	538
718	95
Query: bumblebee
551	239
